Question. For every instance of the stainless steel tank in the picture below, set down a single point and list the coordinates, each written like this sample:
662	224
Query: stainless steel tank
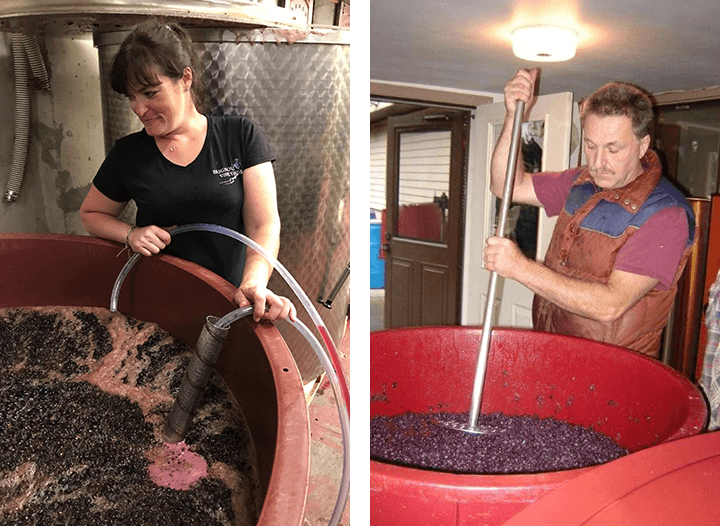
296	85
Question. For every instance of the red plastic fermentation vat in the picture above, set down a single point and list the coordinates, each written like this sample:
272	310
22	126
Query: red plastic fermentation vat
636	400
672	484
56	269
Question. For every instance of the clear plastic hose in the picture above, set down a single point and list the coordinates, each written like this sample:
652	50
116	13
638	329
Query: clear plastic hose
309	307
344	491
330	361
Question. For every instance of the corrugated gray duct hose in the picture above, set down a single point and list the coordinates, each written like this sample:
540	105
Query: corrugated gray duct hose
25	50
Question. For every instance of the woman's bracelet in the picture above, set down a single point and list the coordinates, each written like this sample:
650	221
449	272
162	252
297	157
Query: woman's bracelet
127	240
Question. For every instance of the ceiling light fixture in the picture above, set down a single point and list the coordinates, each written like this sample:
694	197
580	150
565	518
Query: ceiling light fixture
544	43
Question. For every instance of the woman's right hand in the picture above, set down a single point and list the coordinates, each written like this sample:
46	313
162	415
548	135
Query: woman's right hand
149	240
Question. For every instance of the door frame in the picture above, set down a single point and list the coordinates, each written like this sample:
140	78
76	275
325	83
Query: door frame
557	112
418	251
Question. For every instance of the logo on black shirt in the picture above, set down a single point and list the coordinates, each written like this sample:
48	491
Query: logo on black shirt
229	173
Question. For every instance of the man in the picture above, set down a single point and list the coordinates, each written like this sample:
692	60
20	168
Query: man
623	233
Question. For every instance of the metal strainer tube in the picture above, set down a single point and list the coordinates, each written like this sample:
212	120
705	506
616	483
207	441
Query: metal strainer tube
196	376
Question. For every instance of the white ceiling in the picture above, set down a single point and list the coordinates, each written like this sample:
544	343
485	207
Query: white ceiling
663	45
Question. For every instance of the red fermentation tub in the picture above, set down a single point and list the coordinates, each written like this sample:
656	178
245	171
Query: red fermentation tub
672	484
636	400
56	269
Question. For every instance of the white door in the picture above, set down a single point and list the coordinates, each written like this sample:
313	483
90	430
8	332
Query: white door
547	133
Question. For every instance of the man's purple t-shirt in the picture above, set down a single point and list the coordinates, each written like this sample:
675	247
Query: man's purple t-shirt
654	250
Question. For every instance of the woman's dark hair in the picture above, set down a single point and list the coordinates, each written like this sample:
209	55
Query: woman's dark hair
621	99
154	47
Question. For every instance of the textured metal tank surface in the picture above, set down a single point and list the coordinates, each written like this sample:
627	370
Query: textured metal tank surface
68	16
296	86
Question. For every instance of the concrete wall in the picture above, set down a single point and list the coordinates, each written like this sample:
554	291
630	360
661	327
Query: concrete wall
66	137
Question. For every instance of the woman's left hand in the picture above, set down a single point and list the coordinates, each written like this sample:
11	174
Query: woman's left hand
278	307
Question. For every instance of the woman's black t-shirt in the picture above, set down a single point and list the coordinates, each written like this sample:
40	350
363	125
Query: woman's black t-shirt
208	190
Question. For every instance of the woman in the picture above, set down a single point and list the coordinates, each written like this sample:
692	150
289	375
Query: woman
187	167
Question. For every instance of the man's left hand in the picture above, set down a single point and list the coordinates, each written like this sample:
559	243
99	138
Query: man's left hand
503	256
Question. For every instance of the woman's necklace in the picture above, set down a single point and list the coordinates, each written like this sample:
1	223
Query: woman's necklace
173	148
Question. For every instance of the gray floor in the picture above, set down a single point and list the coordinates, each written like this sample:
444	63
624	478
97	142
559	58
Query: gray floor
377	309
326	462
